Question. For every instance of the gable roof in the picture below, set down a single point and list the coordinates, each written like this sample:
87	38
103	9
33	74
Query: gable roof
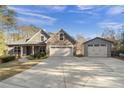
98	38
23	42
71	39
40	31
44	33
68	36
26	41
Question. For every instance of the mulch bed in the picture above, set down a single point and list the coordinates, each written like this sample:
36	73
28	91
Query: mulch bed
121	58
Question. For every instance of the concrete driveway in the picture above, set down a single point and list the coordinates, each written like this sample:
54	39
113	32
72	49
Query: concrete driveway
69	72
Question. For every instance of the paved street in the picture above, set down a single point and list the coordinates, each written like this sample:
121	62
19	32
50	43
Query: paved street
70	72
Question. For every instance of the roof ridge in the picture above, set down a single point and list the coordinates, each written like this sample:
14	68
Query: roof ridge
98	38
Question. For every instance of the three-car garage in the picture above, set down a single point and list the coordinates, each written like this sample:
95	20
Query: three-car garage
97	47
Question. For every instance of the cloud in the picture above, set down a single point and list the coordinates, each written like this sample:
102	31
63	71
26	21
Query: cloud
34	21
33	16
112	25
115	10
56	7
18	9
83	12
80	21
85	7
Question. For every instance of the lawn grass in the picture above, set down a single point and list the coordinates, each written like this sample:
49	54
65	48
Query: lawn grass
12	68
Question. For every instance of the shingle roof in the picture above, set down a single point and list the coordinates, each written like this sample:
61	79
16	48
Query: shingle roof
46	34
67	35
25	41
98	38
70	37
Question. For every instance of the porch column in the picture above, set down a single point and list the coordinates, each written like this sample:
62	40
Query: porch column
32	50
21	51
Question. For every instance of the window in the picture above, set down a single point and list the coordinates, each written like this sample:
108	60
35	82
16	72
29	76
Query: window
42	38
42	50
61	36
103	44
17	50
90	45
96	45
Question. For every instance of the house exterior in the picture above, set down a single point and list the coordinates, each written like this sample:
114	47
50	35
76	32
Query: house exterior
59	44
97	47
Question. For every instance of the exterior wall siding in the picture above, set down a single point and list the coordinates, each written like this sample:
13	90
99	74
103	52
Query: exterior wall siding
98	41
56	41
37	38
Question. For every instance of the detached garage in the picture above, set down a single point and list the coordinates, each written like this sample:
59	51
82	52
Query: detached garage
97	47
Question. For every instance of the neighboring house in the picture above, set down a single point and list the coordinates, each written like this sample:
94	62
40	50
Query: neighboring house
58	44
97	47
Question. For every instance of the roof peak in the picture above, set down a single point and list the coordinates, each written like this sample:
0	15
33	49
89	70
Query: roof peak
98	38
61	29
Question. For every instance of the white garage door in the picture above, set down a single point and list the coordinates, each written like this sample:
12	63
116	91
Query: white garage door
61	51
97	50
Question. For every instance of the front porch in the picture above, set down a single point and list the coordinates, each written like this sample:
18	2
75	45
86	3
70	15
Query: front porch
24	50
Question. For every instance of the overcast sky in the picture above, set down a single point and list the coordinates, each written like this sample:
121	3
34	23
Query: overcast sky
86	20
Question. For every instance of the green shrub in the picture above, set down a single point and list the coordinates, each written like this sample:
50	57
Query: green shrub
5	59
121	51
37	56
116	53
30	57
78	55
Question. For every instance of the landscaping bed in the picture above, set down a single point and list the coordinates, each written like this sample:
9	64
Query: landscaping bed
121	58
4	59
14	67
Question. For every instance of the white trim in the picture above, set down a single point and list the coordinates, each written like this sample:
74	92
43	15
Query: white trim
33	36
32	50
71	46
21	50
52	47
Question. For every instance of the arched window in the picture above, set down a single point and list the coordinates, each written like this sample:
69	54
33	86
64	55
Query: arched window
61	36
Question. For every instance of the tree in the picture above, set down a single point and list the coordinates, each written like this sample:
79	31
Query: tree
122	43
109	33
117	38
7	19
79	48
2	44
15	36
7	23
27	31
7	16
80	38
